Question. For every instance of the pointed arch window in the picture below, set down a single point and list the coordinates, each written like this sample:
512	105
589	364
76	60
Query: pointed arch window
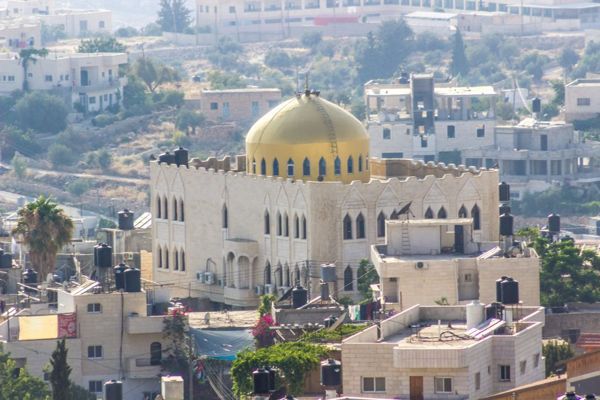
155	353
160	257
322	167
182	260
268	274
442	213
279	275
279	224
181	211
350	165
367	162
175	210
176	260
165	208
462	213
476	218
429	213
225	217
304	233
381	225
360	163
306	167
267	223
348	279
360	227
158	208
167	260
347	227
290	167
286	225
275	167
253	166
263	167
337	166
296	227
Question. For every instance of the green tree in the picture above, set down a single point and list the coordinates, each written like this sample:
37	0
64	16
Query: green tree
78	187
555	352
61	155
559	92
60	372
277	58
225	80
311	39
568	58
19	165
366	276
101	45
174	16
52	33
28	56
153	74
188	121
180	352
135	99
459	64
45	229
16	383
266	304
104	159
41	112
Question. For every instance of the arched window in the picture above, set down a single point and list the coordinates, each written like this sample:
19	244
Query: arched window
360	163
304	233
296	274
175	210
296	227
337	166
476	218
181	211
275	167
286	225
381	225
279	276
182	260
263	167
253	166
462	213
290	167
367	162
429	213
160	257
167	260
268	274
165	208
267	223
286	275
322	167
158	208
155	353
442	213
279	224
348	279
360	226
176	260
306	167
350	165
347	227
225	217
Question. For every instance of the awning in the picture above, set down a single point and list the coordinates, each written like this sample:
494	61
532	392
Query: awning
222	344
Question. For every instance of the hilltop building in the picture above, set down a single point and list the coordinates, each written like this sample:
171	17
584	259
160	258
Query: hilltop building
306	192
19	35
582	99
237	105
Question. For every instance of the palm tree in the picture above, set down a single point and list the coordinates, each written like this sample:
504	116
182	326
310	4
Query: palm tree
45	229
27	56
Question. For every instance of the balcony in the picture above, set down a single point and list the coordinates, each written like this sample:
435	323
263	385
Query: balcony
141	368
92	87
144	325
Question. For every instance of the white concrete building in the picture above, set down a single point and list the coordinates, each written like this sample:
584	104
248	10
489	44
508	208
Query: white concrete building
423	120
16	36
307	192
91	80
582	99
78	23
426	260
27	8
534	155
430	352
98	352
439	23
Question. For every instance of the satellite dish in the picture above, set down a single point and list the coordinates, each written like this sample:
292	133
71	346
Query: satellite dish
405	210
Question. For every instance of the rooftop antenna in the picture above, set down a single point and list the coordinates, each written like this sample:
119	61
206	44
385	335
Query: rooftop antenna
306	87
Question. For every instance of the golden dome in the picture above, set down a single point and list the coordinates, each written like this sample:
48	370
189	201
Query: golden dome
309	138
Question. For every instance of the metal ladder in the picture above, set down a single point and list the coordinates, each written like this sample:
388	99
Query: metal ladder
405	242
330	128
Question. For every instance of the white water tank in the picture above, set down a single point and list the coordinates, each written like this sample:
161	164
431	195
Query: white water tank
475	314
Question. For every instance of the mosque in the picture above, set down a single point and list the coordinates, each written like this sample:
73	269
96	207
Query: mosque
305	193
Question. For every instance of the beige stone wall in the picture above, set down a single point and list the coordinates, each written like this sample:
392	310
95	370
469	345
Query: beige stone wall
524	270
239	104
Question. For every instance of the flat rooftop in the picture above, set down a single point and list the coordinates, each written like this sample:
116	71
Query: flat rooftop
427	334
430	15
404	90
594	83
223	319
244	90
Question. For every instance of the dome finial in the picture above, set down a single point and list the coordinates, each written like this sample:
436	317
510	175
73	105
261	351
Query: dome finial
306	86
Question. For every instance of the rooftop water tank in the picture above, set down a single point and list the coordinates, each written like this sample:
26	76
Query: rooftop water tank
504	209
506	225
510	291
554	223
119	271
499	289
299	296
125	220
324	291
113	390
331	373
103	256
132	278
536	105
260	379
30	277
328	273
504	192
475	314
494	310
5	260
272	376
166	157
181	156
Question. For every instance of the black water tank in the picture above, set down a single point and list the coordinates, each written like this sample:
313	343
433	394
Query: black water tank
30	276
260	378
6	260
272	376
506	225
119	272
113	390
536	105
504	209
52	296
125	220
331	373
103	256
181	156
504	192
494	310
132	278
299	296
510	291
554	223
166	157
499	289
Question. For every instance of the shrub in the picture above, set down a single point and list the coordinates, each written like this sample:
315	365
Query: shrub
41	112
19	165
104	159
78	187
61	155
103	120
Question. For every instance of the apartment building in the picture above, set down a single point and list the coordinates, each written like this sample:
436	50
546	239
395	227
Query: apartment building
424	261
534	155
18	36
78	23
109	335
433	352
238	105
89	82
27	8
420	119
582	99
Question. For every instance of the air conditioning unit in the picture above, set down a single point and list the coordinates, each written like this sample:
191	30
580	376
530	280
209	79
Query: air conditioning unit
209	278
200	277
259	290
128	256
420	265
269	289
